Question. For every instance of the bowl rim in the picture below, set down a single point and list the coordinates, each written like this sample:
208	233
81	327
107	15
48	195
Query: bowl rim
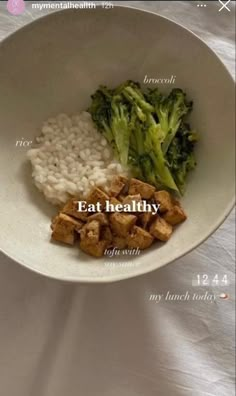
111	278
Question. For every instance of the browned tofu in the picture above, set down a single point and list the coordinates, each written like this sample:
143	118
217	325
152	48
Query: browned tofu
139	238
96	249
54	220
64	227
100	230
160	229
100	217
124	179
91	232
121	223
97	195
79	225
106	235
175	202
164	199
121	198
71	209
118	185
119	242
175	215
145	219
144	189
113	201
132	198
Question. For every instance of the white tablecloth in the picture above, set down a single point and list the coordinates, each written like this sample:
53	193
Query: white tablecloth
60	339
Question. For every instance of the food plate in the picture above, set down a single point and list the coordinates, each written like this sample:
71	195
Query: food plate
61	59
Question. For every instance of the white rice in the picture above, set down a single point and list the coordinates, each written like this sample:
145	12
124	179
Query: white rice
71	157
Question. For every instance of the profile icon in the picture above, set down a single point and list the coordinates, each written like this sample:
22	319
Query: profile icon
16	7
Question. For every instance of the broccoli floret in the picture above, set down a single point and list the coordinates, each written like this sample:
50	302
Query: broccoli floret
136	148
179	108
147	166
170	111
111	116
152	145
120	126
147	132
135	96
129	83
180	155
100	111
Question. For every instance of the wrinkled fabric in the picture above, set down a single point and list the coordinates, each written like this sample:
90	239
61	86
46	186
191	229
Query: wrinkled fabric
60	339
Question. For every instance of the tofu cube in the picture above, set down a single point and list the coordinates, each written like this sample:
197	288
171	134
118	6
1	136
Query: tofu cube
106	235
175	215
139	238
79	225
71	209
144	189
119	242
91	232
132	198
124	179
160	229
64	227
175	202
114	201
100	217
145	219
164	199
96	250
121	223
97	195
121	197
118	185
54	220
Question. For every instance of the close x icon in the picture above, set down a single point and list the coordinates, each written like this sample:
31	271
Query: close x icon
224	5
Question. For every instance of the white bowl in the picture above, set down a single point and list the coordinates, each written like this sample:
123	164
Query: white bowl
53	65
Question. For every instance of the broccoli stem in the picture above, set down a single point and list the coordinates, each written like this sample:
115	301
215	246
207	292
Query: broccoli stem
153	146
138	98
